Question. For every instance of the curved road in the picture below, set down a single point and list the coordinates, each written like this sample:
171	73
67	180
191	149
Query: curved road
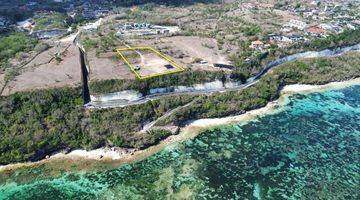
251	81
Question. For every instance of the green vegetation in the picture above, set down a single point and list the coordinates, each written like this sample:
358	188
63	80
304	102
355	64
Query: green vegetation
89	43
50	20
12	45
186	78
256	59
34	124
251	30
10	73
103	43
348	37
38	122
312	71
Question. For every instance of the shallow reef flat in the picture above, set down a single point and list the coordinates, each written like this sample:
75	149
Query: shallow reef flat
308	150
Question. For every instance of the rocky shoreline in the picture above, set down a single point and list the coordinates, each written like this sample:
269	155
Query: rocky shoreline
191	130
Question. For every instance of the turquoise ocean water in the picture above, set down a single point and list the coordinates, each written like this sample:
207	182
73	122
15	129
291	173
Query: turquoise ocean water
308	150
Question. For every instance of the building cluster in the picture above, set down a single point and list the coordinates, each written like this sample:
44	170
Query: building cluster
48	34
88	11
316	19
81	7
255	5
141	29
76	10
3	23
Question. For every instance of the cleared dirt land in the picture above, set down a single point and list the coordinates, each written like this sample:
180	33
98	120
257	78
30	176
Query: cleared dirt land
194	49
107	66
188	51
198	47
146	62
44	71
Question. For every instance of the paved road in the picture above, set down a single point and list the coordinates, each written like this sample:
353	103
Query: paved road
124	103
251	81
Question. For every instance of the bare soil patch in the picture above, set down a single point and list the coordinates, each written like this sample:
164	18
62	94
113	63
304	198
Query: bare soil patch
40	73
195	49
148	63
107	66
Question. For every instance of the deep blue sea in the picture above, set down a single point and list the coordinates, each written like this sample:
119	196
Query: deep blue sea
307	150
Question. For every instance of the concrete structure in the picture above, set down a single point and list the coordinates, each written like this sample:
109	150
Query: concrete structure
257	44
3	23
47	34
296	24
315	31
27	24
141	29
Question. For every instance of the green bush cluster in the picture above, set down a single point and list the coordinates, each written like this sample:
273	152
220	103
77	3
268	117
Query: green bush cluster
186	78
104	44
251	30
35	124
51	20
347	37
12	44
257	60
39	122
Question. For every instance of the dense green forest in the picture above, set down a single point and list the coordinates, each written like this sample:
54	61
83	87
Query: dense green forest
34	124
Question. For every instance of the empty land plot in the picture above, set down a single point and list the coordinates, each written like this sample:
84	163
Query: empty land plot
199	47
146	62
106	66
193	50
44	72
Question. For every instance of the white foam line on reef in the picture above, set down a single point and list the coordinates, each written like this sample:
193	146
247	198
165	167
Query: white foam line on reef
189	131
269	108
303	88
102	153
213	122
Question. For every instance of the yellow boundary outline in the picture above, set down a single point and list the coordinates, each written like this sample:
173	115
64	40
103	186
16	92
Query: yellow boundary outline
163	56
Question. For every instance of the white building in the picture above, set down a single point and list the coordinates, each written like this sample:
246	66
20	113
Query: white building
47	34
296	24
142	29
3	23
27	24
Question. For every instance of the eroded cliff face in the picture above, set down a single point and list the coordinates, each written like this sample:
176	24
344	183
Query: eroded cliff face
129	97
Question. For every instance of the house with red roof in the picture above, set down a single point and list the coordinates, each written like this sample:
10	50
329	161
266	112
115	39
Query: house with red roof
315	31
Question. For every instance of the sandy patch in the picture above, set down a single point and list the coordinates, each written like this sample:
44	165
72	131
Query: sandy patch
102	153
